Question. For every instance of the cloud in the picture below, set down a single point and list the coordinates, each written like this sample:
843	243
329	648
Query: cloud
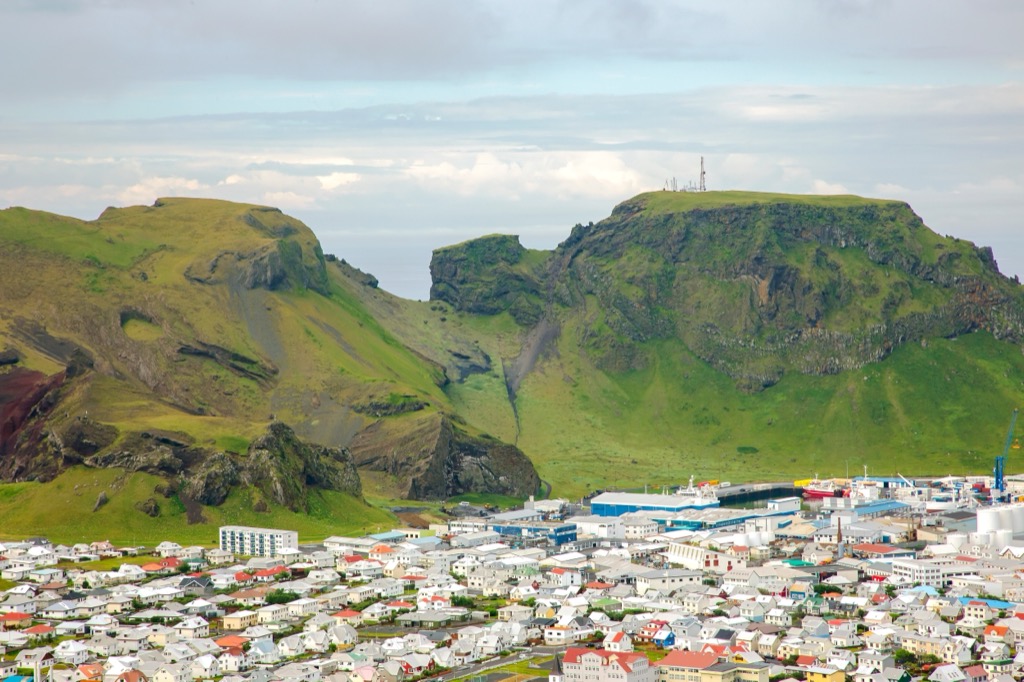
822	187
516	174
337	180
147	190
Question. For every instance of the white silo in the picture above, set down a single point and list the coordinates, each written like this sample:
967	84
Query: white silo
1002	537
958	540
1005	518
988	519
1018	518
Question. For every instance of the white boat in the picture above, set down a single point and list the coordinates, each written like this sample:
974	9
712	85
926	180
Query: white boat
698	496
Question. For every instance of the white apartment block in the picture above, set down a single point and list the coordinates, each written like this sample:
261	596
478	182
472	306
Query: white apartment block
933	572
266	542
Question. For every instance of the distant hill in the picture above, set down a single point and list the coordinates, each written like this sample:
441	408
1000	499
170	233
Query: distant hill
214	351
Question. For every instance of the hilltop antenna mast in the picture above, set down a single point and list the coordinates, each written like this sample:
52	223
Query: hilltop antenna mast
703	187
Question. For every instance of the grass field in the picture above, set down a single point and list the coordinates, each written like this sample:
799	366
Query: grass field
672	202
62	510
938	410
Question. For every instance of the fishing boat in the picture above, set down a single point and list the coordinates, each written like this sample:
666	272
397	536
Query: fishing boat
698	496
817	489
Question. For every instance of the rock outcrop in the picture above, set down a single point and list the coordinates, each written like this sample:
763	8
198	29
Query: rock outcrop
754	289
436	459
283	468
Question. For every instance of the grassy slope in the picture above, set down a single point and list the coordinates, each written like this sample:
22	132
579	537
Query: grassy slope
62	510
925	410
672	202
330	347
936	410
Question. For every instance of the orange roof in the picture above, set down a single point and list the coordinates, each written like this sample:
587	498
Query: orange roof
39	629
14	616
399	604
90	671
381	549
678	658
996	630
347	613
228	641
152	568
598	585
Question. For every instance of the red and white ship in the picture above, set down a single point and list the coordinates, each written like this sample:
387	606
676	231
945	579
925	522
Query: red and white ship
817	489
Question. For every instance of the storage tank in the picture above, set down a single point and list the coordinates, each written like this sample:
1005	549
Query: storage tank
988	519
1005	518
1002	537
1018	518
983	539
958	540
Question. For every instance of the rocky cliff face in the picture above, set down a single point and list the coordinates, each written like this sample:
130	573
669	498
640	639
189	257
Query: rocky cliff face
436	459
755	289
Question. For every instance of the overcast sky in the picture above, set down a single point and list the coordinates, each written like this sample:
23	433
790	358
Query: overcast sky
392	128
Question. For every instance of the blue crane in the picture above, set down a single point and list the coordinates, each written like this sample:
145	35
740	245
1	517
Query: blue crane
999	472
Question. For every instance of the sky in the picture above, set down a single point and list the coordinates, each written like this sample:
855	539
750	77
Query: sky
394	127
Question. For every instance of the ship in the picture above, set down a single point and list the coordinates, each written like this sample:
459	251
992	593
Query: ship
698	496
817	489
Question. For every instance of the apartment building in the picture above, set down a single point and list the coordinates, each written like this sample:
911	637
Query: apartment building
248	541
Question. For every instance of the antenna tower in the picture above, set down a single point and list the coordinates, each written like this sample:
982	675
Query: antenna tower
703	187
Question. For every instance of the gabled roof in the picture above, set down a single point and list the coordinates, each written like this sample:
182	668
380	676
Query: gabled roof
625	661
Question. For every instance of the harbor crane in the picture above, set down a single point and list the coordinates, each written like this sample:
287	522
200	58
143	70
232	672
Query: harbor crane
999	471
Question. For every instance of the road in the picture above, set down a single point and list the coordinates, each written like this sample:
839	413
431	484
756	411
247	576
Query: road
485	666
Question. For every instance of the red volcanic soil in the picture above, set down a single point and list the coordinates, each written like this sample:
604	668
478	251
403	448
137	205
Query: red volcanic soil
21	393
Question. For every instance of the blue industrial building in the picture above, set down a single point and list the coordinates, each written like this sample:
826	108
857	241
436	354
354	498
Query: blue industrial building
617	504
556	533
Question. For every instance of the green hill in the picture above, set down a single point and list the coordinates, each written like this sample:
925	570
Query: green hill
172	341
740	335
206	361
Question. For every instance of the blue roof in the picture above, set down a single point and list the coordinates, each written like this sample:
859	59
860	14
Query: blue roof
881	506
927	589
390	535
993	603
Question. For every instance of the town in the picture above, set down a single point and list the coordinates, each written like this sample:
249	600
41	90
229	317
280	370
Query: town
628	588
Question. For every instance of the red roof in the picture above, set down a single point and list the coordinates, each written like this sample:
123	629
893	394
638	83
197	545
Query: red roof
874	548
688	659
618	635
14	616
996	630
242	577
269	572
347	613
623	660
598	585
806	661
39	629
399	604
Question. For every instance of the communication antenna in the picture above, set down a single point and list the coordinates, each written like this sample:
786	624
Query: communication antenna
675	186
703	187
